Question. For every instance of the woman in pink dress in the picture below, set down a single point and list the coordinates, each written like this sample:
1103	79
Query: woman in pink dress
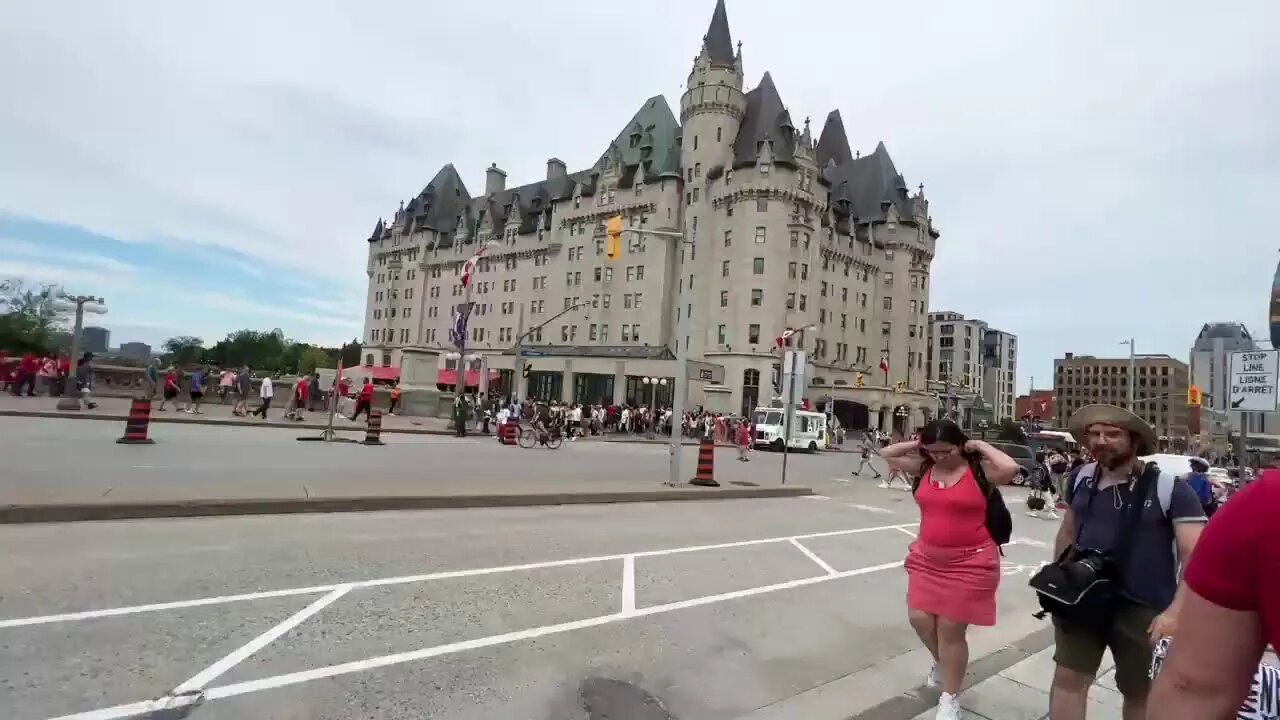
953	567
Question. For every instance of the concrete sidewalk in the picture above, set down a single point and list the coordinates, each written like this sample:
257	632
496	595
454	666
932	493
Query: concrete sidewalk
1021	692
117	409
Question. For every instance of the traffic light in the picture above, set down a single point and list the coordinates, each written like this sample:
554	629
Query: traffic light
858	381
613	239
527	370
1194	396
900	386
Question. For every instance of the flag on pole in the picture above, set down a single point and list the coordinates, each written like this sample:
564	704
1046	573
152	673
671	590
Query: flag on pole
458	330
785	336
884	362
469	266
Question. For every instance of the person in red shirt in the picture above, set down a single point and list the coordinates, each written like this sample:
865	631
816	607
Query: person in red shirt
27	369
171	389
364	401
1230	612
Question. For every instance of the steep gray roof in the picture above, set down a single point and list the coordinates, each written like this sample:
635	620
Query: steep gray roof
833	143
438	205
717	43
377	231
765	121
872	184
658	148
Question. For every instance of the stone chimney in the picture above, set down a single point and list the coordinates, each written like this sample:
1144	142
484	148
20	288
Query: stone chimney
495	181
556	169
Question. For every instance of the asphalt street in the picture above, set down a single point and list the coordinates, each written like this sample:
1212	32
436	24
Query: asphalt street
685	611
47	460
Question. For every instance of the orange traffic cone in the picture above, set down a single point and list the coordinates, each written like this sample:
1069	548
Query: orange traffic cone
705	475
373	433
137	423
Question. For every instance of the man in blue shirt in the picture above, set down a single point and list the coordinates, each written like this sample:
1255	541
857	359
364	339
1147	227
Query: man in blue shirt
197	390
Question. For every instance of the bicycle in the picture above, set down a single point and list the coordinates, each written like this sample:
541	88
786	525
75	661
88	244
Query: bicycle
531	437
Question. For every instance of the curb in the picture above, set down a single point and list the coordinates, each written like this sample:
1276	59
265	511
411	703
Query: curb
921	700
78	512
235	422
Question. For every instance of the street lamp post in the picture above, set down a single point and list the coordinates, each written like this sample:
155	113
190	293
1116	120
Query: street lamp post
70	399
681	387
653	384
518	372
1133	372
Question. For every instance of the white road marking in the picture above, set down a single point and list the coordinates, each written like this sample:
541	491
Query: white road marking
872	508
814	557
840	479
628	585
403	579
240	654
815	497
1028	541
901	529
294	678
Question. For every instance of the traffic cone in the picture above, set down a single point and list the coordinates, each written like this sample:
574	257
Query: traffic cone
373	433
705	475
137	423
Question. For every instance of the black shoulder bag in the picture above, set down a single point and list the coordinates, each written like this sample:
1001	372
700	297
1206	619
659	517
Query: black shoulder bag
1083	586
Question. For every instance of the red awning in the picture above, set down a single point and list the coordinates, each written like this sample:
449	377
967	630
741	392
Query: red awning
450	377
358	374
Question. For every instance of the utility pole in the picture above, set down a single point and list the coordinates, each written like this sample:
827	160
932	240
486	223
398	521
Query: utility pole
1133	372
70	399
517	375
614	230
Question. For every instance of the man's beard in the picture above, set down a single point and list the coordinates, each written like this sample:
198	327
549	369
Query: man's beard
1118	460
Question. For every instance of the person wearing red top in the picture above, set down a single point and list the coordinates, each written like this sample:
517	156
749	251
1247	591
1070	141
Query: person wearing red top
364	400
27	369
953	567
171	389
1230	610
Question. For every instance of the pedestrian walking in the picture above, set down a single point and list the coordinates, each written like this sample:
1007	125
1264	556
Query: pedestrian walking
953	567
364	400
866	462
197	390
744	440
244	386
265	392
1123	520
395	398
84	381
170	389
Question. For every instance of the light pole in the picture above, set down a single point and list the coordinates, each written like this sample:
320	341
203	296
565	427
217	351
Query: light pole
681	388
653	384
70	399
518	371
1133	372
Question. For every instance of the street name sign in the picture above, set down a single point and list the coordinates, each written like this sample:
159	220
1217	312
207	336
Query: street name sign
1253	381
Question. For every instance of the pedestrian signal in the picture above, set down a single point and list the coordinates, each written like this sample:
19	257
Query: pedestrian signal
858	381
527	370
613	239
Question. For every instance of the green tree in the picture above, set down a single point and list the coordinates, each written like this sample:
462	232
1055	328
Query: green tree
351	354
184	350
1011	431
312	358
29	318
258	350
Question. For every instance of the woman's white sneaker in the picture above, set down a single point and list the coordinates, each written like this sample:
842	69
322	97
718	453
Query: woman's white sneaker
948	707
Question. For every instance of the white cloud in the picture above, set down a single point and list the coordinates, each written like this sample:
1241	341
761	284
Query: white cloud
1073	152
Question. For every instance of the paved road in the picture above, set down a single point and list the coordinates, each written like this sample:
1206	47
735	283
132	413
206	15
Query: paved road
48	460
657	612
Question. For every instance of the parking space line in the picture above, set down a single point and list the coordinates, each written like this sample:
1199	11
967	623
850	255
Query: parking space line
814	557
902	529
629	585
424	577
242	653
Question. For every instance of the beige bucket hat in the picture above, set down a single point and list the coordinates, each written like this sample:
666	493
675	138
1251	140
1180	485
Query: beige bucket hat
1115	416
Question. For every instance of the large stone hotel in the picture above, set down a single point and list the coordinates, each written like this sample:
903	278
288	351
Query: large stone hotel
782	230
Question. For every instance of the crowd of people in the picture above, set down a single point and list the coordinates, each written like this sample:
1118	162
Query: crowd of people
30	375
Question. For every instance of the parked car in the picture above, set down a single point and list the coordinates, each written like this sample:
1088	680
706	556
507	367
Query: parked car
1026	459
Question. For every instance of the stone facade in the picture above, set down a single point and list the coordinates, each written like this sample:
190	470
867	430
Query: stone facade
784	231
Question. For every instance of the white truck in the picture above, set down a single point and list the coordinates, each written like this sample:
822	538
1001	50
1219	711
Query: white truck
808	430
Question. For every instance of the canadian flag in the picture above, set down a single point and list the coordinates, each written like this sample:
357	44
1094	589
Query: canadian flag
469	266
786	335
884	363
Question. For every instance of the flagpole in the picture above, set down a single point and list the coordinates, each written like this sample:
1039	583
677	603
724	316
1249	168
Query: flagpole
333	395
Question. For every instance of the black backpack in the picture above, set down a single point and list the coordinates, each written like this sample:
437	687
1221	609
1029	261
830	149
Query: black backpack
999	521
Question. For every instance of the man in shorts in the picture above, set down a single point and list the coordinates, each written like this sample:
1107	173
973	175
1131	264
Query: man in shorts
1098	502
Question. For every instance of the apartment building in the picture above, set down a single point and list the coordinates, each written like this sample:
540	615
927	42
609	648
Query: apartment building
967	353
783	230
1160	390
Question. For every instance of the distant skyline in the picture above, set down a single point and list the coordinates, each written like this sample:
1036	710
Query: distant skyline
1097	170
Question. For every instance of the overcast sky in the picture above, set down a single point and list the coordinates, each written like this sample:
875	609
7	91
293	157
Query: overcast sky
1098	169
